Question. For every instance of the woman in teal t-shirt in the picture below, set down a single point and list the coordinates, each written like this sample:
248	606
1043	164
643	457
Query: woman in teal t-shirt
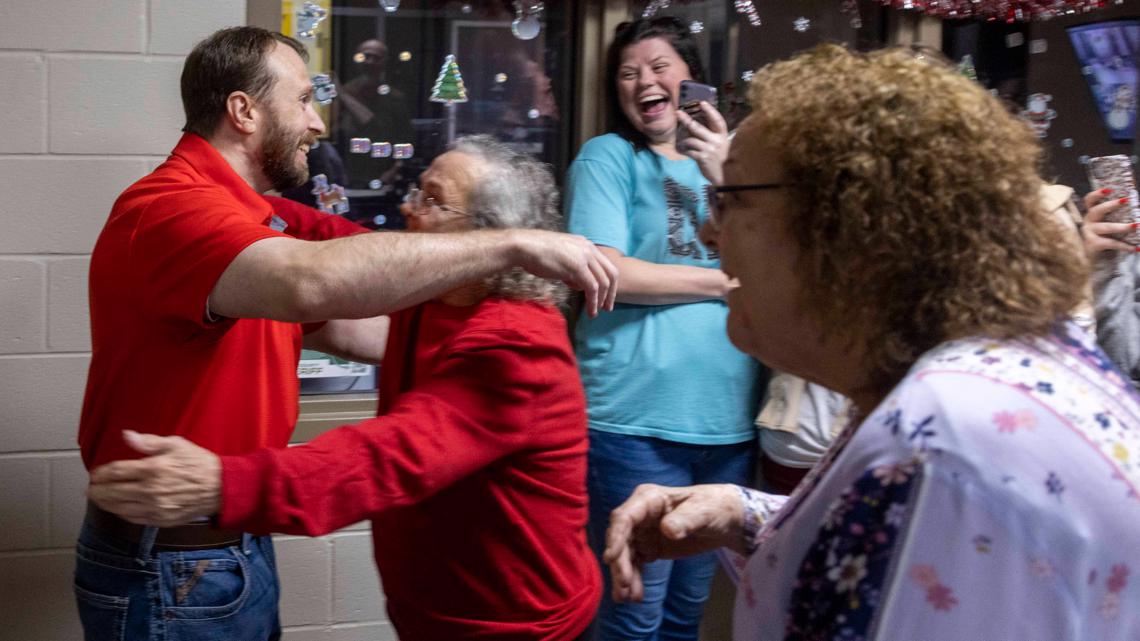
670	400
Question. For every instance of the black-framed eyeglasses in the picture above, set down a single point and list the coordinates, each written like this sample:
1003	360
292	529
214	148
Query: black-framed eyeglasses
716	207
416	201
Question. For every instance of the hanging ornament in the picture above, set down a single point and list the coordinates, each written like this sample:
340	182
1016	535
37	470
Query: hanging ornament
527	25
375	183
747	75
323	89
330	197
381	150
1038	114
696	26
966	67
801	24
448	87
653	7
748	10
308	19
390	6
851	8
384	89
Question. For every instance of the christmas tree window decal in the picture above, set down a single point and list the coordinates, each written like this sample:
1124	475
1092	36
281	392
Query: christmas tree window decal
448	87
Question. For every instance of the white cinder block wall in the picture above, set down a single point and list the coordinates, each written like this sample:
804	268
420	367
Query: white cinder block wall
89	103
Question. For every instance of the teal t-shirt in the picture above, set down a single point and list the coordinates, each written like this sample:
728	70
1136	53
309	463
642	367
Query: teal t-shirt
666	371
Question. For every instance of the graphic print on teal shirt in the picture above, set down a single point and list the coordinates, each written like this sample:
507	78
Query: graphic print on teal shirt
683	205
665	371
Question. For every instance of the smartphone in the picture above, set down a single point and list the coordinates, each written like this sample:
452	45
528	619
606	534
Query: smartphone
1115	173
691	95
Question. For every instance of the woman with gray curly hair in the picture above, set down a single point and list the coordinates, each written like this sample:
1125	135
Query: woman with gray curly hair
882	215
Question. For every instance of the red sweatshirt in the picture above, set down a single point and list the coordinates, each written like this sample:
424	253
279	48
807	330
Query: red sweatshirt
474	476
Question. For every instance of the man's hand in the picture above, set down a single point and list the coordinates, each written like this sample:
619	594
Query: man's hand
572	260
177	483
658	522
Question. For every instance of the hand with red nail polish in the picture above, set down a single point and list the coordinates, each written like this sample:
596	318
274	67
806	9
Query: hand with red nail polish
1099	235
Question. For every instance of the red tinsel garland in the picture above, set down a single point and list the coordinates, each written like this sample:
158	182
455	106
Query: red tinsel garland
1008	10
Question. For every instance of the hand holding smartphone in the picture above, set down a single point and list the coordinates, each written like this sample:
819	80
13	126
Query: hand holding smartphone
1115	173
691	95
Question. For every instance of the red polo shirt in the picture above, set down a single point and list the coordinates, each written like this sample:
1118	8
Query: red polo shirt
157	366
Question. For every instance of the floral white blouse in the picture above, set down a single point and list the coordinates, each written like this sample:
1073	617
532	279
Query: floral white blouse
993	495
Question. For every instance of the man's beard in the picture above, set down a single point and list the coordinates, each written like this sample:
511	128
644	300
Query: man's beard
277	152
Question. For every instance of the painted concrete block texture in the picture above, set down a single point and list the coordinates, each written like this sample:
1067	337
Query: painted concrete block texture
342	632
356	587
23	503
24	78
39	601
23	312
68	502
69	328
70	198
40	400
304	567
176	25
114	104
74	25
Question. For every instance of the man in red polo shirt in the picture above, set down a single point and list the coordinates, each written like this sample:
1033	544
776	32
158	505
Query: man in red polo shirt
196	292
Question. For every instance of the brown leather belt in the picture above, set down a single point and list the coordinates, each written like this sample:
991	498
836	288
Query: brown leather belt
194	536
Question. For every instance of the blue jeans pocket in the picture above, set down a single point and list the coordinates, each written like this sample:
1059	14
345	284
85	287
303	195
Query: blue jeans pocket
104	617
205	584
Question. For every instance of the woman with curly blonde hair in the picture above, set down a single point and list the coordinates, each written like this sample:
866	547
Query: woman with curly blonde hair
881	214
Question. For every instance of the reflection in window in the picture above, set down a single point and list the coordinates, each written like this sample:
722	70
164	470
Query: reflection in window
409	81
386	65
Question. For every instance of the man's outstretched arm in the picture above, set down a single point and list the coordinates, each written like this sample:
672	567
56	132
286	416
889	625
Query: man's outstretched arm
373	274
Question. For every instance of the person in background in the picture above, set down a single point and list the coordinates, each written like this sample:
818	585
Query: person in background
371	106
474	472
198	292
882	214
1115	278
670	400
797	425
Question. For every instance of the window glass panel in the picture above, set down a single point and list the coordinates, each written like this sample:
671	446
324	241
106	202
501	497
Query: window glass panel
410	81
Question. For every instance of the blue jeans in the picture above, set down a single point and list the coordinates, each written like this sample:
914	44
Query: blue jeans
130	591
675	591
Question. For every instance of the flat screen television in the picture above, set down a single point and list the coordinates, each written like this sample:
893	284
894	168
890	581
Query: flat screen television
1107	52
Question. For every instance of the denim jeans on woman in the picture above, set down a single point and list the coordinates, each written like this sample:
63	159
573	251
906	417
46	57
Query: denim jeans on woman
128	590
675	591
